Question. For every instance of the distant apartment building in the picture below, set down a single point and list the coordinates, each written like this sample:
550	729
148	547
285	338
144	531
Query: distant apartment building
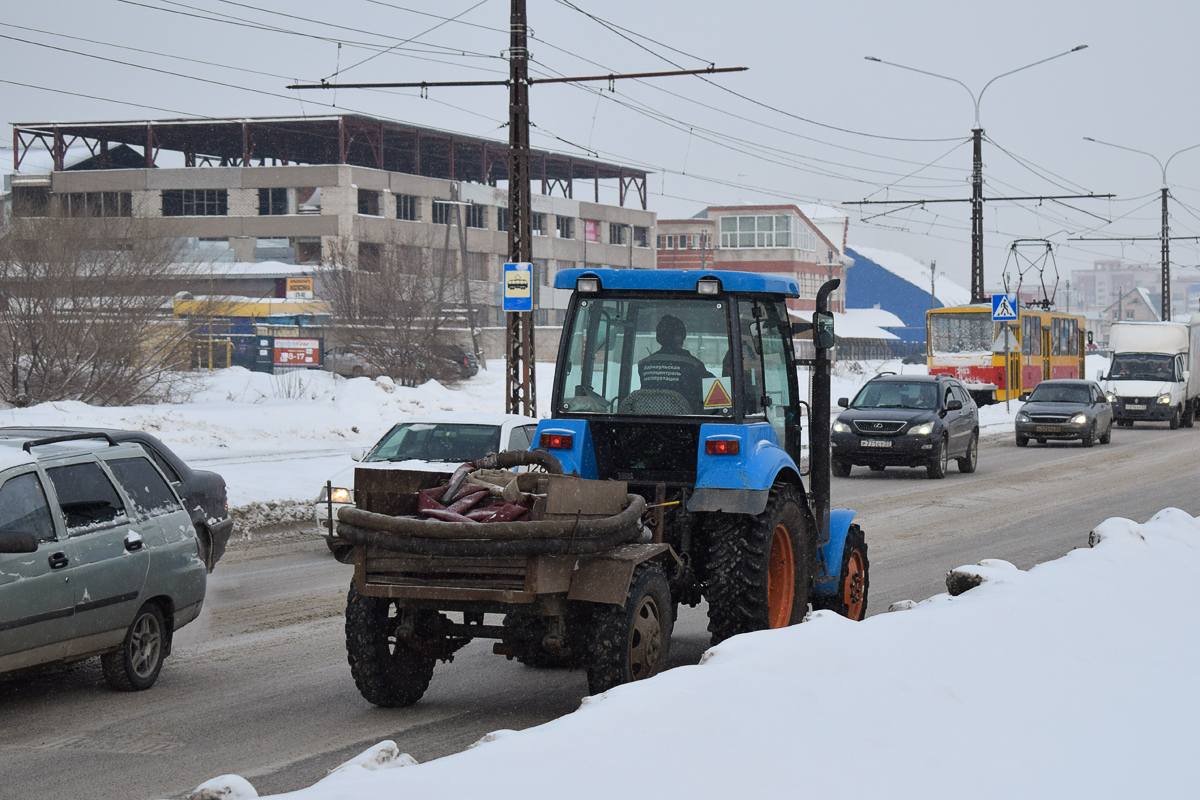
1109	280
309	192
779	239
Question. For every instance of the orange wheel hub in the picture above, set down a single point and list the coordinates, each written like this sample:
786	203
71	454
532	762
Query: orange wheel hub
781	579
852	588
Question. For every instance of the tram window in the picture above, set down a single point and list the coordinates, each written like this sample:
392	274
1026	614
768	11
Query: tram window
1074	337
1055	336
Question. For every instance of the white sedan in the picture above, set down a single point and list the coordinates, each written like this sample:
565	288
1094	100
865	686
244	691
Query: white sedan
432	443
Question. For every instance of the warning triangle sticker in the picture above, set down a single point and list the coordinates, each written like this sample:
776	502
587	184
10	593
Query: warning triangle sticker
717	397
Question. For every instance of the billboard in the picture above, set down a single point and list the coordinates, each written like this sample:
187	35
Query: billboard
296	352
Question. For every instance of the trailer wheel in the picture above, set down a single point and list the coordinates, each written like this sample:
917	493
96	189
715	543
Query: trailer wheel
631	642
967	463
386	671
760	568
528	648
840	468
939	462
853	579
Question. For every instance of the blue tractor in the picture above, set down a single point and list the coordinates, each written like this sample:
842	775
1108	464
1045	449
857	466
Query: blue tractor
683	384
669	473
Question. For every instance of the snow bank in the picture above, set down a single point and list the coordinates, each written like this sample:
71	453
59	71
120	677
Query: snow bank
1069	680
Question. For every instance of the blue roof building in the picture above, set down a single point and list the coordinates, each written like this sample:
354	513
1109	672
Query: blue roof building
899	284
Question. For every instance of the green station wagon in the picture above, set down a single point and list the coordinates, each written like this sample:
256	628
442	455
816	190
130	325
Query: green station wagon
97	557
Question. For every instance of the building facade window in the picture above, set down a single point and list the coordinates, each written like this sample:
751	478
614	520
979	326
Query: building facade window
502	219
476	266
368	202
475	216
370	256
641	236
442	214
537	224
766	231
272	202
308	251
566	227
97	204
195	202
406	206
591	230
30	201
616	233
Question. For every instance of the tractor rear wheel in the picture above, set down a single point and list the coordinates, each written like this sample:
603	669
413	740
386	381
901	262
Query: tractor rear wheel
760	568
631	642
387	671
853	579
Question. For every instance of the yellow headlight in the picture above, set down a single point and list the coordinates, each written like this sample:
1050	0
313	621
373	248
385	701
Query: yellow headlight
341	495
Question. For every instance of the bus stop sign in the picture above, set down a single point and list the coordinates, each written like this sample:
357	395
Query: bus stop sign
518	286
1004	308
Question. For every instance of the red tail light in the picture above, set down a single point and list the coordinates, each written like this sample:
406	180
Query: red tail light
556	441
721	447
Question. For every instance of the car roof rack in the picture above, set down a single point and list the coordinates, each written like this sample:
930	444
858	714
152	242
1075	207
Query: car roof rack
69	437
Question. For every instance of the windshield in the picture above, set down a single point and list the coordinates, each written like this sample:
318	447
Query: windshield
962	333
897	394
429	441
1142	367
1050	393
653	357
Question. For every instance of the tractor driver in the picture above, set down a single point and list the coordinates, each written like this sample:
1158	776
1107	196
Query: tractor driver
671	367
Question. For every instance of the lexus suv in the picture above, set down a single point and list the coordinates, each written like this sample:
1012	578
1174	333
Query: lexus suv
907	421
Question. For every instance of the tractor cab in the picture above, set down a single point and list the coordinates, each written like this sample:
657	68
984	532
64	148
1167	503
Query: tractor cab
657	361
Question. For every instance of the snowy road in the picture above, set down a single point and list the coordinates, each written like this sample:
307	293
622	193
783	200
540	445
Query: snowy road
259	683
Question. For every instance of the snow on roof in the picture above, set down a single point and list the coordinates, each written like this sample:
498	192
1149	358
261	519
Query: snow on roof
819	211
11	454
880	318
1150	304
248	269
916	273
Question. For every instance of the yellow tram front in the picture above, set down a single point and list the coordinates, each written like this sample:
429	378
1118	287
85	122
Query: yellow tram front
1000	361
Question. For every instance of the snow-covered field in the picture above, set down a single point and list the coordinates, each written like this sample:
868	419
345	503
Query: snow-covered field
1070	680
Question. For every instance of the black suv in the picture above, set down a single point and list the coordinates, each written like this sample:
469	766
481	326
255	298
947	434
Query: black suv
907	421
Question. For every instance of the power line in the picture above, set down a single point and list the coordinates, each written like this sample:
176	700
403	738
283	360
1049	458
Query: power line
102	99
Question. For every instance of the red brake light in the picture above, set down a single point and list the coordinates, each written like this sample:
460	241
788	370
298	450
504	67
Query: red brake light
721	447
556	441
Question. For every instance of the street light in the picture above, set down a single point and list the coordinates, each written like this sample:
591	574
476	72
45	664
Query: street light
977	173
1166	230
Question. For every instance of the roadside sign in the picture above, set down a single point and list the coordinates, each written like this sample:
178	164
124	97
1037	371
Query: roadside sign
518	286
1004	308
297	352
299	288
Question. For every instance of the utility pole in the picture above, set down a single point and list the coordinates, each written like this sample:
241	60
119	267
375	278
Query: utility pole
520	395
932	286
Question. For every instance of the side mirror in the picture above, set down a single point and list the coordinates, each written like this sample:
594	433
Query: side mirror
953	404
18	542
1187	376
1024	397
1099	374
844	402
823	329
358	454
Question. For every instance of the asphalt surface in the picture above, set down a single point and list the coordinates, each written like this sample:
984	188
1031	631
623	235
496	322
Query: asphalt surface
259	685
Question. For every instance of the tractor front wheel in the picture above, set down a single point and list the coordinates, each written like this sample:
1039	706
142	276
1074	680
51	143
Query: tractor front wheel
760	568
853	580
386	670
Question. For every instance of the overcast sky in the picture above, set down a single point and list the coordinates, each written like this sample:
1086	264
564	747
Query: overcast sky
763	136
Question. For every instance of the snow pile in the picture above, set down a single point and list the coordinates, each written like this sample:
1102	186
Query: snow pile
1069	680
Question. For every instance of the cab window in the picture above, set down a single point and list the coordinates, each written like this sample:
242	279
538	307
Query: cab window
87	498
151	495
23	507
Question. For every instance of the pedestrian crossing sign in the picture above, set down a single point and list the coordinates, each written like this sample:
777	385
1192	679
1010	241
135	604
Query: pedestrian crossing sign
1004	308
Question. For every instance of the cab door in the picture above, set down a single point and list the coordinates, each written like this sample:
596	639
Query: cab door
111	559
773	335
37	600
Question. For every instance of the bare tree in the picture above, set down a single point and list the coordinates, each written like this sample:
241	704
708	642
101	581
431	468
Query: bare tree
392	301
85	312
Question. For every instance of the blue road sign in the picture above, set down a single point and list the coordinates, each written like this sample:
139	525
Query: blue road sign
1004	308
518	287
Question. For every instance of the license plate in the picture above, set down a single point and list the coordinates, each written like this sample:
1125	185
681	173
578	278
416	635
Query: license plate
1047	429
1135	407
876	442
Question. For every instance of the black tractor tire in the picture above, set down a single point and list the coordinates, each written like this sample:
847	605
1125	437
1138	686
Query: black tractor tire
387	671
743	552
1176	418
1106	437
631	642
529	651
854	579
968	462
939	461
1022	441
135	666
1089	437
840	468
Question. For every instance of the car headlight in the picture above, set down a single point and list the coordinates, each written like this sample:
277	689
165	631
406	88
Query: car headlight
840	427
924	429
1164	399
1079	418
1110	397
1022	416
340	495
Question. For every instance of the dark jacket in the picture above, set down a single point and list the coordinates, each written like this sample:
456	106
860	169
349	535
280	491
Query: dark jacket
676	370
